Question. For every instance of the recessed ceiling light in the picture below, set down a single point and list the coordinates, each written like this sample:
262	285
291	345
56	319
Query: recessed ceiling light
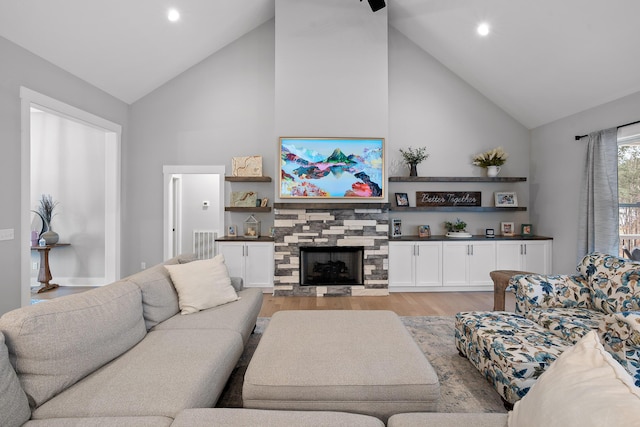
483	29
173	15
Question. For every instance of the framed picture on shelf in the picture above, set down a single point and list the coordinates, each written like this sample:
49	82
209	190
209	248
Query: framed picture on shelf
396	227
402	199
506	199
526	230
424	231
507	228
232	231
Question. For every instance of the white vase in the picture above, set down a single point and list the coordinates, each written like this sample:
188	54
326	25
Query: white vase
493	171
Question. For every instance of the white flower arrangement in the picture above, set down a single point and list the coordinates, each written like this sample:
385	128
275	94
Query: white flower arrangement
494	157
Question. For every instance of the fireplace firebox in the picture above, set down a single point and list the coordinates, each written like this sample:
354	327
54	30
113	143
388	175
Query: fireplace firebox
331	265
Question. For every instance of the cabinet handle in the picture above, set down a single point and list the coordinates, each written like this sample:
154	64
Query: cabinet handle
416	250
247	250
525	249
520	249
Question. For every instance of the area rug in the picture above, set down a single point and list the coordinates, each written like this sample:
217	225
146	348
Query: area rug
462	387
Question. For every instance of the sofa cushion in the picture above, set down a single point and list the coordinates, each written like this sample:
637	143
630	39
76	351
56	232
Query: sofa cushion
166	372
614	282
584	376
102	422
239	316
14	406
535	290
226	417
570	324
202	284
422	419
159	297
54	344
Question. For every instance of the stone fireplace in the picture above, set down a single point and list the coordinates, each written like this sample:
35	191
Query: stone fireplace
356	233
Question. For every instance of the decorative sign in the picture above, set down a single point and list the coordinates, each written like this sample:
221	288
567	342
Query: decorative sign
448	198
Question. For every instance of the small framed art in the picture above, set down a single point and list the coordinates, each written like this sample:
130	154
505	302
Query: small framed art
396	227
402	199
232	231
506	199
424	231
506	228
526	230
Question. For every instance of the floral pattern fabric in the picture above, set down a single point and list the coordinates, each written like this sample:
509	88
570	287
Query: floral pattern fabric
510	350
622	339
552	313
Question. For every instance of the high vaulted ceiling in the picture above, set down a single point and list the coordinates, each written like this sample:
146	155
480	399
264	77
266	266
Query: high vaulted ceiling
543	60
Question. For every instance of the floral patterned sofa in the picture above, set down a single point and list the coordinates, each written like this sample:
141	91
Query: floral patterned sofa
553	313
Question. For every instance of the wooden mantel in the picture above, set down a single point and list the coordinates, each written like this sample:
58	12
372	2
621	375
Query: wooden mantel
324	205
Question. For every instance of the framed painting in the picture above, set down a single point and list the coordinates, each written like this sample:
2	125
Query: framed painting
506	199
336	168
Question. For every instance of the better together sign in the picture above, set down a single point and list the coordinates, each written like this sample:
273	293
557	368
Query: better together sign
448	198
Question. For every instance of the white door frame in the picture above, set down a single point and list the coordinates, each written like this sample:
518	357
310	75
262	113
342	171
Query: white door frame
169	171
113	137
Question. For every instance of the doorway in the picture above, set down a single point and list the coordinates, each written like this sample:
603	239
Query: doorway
89	214
193	209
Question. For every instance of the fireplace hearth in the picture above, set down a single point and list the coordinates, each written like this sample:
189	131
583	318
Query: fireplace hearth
331	266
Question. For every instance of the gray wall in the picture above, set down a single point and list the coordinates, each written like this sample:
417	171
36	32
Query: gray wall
557	163
197	188
221	108
21	68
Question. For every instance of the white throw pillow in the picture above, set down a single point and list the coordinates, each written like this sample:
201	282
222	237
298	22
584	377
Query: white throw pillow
584	387
202	284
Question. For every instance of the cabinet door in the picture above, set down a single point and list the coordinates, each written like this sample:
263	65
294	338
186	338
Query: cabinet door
509	255
482	261
455	256
401	264
428	261
233	253
537	256
258	264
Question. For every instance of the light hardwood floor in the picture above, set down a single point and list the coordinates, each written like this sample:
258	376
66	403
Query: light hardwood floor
402	303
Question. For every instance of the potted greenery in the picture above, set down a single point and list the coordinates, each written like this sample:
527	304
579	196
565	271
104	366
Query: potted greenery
413	157
491	160
457	228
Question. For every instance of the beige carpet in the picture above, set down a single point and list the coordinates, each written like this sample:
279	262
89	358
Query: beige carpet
462	388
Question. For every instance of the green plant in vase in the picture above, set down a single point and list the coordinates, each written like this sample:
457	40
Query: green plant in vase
459	226
413	157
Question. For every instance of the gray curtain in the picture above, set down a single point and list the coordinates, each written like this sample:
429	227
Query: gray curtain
598	211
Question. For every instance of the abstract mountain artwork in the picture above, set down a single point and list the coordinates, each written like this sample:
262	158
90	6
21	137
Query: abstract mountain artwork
332	167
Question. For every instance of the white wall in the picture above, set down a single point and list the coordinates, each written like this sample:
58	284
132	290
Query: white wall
557	161
21	68
432	107
68	162
218	109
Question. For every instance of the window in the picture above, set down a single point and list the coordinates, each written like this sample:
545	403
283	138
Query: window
629	191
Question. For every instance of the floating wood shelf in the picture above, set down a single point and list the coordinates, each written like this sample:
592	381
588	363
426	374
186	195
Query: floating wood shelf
454	209
247	178
454	179
247	209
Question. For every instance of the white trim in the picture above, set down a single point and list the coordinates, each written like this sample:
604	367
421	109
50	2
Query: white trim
169	171
113	138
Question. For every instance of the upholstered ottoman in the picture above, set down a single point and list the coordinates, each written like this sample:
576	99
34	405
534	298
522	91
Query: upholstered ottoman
362	362
508	349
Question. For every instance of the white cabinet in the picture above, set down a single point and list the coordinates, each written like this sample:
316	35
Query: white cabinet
467	263
524	255
415	264
253	261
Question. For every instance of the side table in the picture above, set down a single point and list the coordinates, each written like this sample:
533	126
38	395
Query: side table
500	282
44	275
